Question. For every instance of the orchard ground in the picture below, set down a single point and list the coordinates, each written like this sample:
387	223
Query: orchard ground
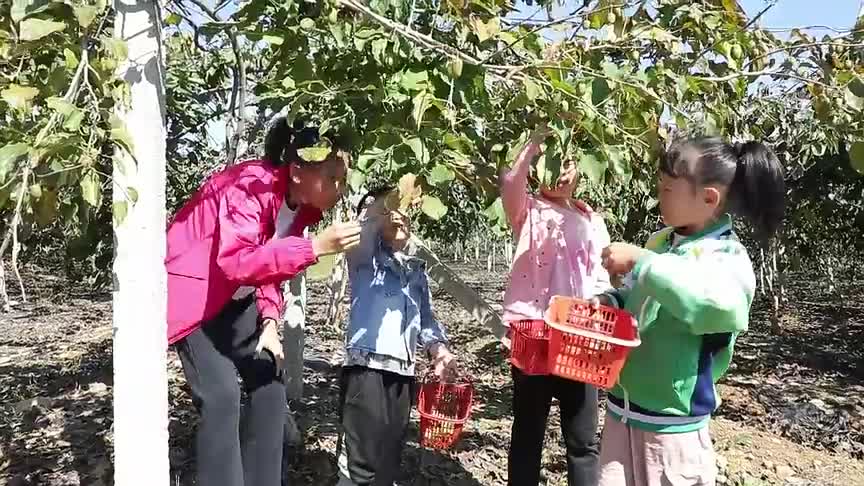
793	410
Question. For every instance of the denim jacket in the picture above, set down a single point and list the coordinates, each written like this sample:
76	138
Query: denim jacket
391	310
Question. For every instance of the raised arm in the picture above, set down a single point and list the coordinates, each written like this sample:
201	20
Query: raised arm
514	182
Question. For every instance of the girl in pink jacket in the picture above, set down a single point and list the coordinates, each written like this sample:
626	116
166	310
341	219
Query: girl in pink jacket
559	243
229	249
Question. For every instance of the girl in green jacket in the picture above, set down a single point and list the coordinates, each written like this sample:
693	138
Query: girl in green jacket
691	289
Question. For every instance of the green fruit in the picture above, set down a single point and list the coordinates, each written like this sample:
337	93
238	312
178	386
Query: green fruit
736	52
611	18
635	56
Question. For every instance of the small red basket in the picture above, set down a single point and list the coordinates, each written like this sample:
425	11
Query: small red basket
589	343
529	347
444	408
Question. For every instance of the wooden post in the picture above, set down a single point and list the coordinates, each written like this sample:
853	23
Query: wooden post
140	292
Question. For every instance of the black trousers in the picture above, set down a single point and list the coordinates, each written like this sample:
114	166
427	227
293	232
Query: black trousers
532	399
212	356
375	413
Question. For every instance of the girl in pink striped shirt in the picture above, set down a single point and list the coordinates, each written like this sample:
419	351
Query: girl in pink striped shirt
559	243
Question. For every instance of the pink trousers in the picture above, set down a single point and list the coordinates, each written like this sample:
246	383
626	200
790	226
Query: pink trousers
635	457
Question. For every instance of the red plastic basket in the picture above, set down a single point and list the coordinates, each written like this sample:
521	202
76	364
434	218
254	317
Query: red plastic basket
529	347
589	343
444	408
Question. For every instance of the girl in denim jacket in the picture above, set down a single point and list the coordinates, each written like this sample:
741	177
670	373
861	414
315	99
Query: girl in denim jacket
391	314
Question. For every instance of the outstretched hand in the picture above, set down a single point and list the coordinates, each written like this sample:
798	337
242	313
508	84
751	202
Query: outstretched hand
337	238
620	258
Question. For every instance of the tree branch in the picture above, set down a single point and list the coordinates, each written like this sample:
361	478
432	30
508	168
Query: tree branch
721	39
239	83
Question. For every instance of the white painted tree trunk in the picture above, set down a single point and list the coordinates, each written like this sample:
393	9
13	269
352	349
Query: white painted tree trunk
293	335
140	291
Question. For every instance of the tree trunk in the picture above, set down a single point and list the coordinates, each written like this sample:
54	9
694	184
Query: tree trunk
293	335
470	300
140	289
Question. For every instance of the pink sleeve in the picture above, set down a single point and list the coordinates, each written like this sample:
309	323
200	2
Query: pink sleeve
514	186
242	253
269	297
269	300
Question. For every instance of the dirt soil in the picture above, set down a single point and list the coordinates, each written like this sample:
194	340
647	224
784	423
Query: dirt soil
793	412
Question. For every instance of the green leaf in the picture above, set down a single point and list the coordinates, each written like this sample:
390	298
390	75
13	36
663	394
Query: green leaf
853	100
419	150
486	30
60	105
119	133
593	167
120	209
433	207
365	160
302	69
599	91
856	157
421	102
856	86
117	48
73	121
356	179
35	191
23	8
440	174
414	80
45	209
532	89
91	189
173	19
495	211
87	13
35	29
18	97
10	154
314	154
617	160
274	40
731	6
71	59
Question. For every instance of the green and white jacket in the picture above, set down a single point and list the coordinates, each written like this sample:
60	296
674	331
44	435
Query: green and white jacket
692	298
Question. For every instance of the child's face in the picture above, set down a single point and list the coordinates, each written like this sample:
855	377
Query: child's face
395	226
685	205
566	183
395	229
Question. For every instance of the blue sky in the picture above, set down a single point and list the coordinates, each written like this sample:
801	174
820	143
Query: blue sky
838	14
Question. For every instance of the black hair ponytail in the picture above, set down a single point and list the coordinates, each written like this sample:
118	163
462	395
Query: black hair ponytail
372	194
278	138
282	141
758	190
750	170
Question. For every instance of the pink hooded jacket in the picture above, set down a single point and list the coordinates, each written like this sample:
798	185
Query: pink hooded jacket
221	240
